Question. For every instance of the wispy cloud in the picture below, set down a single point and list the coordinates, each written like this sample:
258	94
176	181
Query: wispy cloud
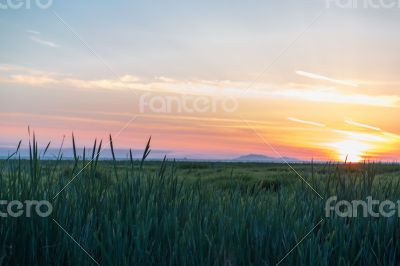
321	77
198	87
34	36
306	122
44	42
361	136
235	89
392	135
25	70
36	80
387	134
335	96
362	125
33	32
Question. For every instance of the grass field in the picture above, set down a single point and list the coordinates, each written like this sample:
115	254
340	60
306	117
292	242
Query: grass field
139	212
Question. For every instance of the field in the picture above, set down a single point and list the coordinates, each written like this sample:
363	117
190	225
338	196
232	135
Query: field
140	212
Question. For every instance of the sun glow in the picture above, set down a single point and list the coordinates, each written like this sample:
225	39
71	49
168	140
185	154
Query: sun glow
351	150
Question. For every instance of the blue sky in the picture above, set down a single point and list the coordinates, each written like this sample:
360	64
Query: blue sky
198	39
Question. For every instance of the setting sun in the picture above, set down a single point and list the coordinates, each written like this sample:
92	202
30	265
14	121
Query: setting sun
351	150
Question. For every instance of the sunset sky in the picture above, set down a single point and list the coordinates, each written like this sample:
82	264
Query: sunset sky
281	78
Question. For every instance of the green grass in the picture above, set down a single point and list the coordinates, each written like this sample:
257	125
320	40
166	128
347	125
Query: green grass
138	212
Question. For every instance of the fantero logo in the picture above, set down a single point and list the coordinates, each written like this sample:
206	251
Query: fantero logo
16	208
25	4
368	4
186	104
361	208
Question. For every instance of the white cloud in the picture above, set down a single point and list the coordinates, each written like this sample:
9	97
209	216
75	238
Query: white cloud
360	136
306	122
36	39
33	32
334	96
392	135
320	77
388	134
33	80
198	87
362	125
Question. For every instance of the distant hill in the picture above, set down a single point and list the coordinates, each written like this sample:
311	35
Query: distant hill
263	158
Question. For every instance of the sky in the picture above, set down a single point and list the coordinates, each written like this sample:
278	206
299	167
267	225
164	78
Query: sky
205	79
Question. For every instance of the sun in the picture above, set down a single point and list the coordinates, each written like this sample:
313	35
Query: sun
351	150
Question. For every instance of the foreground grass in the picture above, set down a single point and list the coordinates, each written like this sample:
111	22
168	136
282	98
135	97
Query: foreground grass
163	213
